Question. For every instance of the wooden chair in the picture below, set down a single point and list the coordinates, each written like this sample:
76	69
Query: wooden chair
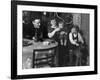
44	57
78	57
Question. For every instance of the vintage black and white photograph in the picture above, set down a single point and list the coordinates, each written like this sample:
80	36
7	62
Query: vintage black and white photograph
53	39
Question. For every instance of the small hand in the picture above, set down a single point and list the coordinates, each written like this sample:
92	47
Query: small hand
62	32
65	33
75	40
77	44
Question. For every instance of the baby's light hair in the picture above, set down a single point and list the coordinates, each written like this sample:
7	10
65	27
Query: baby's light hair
61	22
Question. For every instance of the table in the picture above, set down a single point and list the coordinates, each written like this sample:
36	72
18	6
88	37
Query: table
27	51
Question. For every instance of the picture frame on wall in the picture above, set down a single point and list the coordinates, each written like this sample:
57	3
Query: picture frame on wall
36	57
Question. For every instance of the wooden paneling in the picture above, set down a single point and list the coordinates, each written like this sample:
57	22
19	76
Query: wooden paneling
85	25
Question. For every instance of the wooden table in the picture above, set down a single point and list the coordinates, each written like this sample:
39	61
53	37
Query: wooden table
27	51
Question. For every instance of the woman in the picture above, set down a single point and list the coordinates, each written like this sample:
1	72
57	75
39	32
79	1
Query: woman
53	30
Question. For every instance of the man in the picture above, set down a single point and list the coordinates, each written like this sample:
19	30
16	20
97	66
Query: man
34	30
37	33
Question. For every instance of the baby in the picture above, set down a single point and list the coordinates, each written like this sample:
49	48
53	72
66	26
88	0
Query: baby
63	33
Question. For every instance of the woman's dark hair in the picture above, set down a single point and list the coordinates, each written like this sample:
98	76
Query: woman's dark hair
76	27
52	18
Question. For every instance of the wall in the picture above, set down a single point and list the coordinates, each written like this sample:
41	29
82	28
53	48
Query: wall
77	19
85	26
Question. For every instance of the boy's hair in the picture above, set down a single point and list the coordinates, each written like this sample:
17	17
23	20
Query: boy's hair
76	27
52	18
33	19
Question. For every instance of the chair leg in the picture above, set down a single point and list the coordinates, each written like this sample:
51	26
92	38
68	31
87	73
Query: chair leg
52	64
80	61
70	58
33	59
78	58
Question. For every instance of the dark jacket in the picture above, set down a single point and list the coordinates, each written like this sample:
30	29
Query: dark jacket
29	31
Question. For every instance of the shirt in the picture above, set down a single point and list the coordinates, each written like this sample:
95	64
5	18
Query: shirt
75	39
56	35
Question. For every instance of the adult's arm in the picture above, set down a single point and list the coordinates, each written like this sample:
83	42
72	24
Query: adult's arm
51	34
80	38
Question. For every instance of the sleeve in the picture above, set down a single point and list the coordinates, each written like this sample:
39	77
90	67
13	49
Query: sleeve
29	30
71	39
80	38
65	29
50	29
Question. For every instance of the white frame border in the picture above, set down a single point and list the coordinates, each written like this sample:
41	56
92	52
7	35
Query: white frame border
21	71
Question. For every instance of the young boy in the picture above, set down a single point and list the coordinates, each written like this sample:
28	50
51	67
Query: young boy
75	42
75	37
63	33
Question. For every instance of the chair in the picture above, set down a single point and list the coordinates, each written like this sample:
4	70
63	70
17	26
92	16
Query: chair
74	57
70	57
44	57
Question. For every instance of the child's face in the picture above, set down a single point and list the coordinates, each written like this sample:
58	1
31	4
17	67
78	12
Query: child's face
74	30
60	25
53	22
